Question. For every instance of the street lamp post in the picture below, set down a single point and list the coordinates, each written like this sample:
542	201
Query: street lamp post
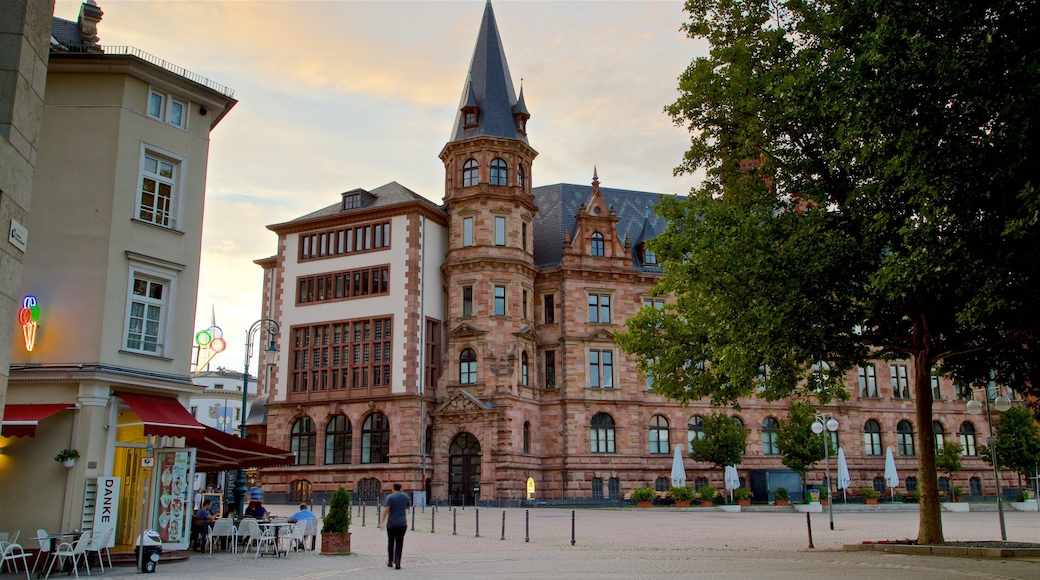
272	328
1002	404
828	422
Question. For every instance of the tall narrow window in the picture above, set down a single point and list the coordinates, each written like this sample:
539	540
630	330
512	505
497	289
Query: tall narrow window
872	438
523	235
337	441
524	293
520	181
158	187
433	353
694	430
467	231
147	315
523	368
499	172
500	300
936	384
900	381
549	308
469	173
375	439
301	441
597	488
156	105
868	381
550	369
601	430
601	369
905	438
467	301
967	436
527	437
597	244
940	435
500	230
659	442
770	427
468	367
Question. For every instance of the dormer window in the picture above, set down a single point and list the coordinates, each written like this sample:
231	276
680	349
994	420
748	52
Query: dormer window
521	124
649	257
352	201
597	244
470	117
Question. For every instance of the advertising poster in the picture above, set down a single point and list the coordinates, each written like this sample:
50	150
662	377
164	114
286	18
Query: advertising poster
173	521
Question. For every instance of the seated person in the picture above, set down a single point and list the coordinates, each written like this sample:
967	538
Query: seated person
200	526
306	515
259	511
249	510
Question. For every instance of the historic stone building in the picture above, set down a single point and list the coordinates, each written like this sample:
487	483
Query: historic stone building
467	348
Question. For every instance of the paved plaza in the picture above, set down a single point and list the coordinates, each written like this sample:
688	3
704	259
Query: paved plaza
631	543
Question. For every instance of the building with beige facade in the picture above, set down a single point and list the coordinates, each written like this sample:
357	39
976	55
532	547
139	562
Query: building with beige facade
466	349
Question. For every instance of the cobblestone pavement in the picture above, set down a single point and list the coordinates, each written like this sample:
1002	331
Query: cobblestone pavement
630	543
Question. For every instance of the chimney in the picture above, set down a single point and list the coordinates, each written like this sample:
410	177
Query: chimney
89	16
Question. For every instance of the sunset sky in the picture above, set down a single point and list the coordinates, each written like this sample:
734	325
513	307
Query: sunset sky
340	94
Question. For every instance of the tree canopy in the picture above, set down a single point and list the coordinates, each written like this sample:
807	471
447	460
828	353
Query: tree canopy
1017	441
869	193
723	443
800	447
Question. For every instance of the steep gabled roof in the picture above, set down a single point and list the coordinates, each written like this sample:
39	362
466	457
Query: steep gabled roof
385	195
490	87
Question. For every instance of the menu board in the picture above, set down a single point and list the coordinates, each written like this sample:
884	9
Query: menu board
173	521
217	508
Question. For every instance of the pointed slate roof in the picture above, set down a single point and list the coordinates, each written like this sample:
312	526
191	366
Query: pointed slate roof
490	85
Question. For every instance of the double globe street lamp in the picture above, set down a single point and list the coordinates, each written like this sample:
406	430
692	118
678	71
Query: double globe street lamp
1002	403
272	328
828	422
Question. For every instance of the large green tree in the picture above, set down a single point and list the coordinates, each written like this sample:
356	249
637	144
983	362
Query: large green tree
1017	440
800	447
869	192
723	443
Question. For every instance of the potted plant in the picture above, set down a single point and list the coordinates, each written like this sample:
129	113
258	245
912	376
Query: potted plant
643	496
682	495
870	495
956	492
707	494
742	495
825	495
781	497
335	533
67	457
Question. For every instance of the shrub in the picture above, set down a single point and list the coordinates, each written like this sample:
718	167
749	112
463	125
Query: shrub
682	493
718	500
338	519
781	494
868	493
956	491
706	492
742	493
824	493
643	494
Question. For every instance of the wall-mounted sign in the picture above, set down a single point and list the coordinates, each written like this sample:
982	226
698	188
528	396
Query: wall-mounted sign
18	236
27	317
147	462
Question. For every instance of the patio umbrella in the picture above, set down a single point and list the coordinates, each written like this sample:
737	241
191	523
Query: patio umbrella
678	470
891	477
730	479
843	474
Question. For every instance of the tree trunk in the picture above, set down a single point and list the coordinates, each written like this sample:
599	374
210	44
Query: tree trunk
930	526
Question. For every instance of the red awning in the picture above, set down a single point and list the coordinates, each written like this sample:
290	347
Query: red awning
21	420
219	451
162	415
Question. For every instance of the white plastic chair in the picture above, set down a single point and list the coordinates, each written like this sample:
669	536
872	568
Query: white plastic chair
297	537
250	530
312	530
74	551
101	546
223	528
268	538
45	547
12	553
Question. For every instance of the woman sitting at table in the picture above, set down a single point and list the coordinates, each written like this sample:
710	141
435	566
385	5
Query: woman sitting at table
256	510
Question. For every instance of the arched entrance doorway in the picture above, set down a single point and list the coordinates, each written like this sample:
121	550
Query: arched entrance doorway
464	467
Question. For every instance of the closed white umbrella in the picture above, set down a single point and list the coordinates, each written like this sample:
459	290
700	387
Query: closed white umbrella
678	470
843	474
891	477
731	479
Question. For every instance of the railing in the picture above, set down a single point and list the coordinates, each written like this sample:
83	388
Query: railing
133	51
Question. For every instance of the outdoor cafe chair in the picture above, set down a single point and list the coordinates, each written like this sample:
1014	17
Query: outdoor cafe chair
298	537
45	547
101	546
250	530
74	551
312	530
12	553
223	528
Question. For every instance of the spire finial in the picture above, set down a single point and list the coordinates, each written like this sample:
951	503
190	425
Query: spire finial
595	174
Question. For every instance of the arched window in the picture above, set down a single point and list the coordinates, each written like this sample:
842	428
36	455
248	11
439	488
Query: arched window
302	440
662	484
602	433
975	485
740	423
879	484
940	435
944	484
338	440
375	439
520	177
911	483
428	444
694	430
597	488
523	368
967	435
468	367
469	173
499	172
700	482
905	438
527	436
769	444
659	435
614	488
597	244
872	438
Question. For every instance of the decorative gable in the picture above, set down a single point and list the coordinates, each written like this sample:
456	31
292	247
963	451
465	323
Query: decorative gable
466	331
463	402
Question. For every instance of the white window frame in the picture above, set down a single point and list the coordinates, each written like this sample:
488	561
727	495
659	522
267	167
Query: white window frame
176	183
166	108
152	274
161	113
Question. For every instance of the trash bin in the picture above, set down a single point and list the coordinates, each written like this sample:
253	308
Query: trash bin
151	547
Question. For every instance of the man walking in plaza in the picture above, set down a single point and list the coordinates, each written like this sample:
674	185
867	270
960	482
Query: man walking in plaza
395	516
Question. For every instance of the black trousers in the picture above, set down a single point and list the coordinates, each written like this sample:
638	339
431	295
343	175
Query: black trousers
395	543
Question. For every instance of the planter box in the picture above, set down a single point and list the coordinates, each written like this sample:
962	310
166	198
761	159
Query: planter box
335	543
644	504
782	502
813	507
1023	506
705	503
682	504
744	502
870	500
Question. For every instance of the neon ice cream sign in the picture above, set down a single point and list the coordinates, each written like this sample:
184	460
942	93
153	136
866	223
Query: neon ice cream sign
27	317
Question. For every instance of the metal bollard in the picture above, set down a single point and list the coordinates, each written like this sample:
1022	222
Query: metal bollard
433	518
476	509
527	525
413	517
572	527
323	505
503	525
454	520
379	519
